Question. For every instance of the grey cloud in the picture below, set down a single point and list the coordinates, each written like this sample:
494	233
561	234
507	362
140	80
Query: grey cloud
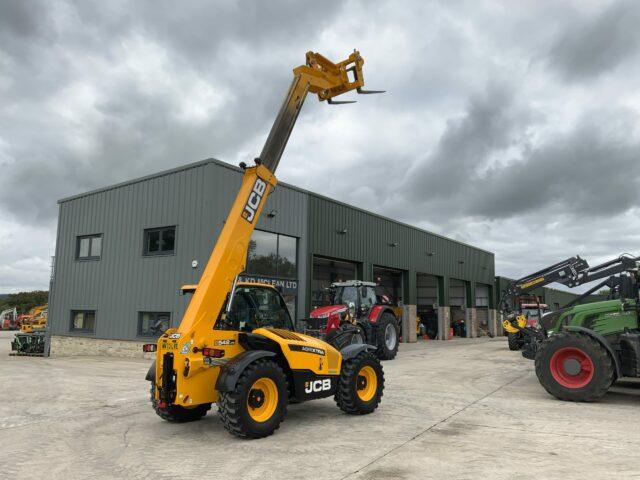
585	173
596	45
137	131
463	143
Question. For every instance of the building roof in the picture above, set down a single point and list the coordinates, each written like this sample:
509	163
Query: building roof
219	163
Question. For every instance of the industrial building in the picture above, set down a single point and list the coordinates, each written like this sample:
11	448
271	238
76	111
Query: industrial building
123	252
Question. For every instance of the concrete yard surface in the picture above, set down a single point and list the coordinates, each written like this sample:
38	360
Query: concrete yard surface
460	409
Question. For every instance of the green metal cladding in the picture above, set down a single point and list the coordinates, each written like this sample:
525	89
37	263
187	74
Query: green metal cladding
343	232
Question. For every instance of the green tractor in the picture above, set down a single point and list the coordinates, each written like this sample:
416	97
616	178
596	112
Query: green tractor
588	348
581	350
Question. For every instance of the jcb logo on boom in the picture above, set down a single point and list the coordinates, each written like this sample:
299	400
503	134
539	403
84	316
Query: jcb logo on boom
317	386
253	202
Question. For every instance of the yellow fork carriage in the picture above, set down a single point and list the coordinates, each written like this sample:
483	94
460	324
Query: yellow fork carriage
236	345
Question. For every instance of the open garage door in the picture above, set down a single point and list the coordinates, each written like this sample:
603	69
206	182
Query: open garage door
457	294
391	282
482	308
427	303
325	272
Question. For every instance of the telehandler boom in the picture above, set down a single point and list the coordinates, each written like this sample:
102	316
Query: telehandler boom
247	358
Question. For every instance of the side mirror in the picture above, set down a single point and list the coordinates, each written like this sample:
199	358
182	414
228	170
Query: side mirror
352	309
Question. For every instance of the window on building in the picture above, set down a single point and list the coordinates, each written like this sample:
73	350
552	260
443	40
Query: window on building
153	324
89	247
326	272
83	321
160	241
272	254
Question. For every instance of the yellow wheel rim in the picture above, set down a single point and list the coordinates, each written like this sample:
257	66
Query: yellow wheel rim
262	401
366	383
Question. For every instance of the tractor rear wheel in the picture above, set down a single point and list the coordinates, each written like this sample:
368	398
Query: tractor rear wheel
387	336
258	404
360	385
177	413
575	367
514	341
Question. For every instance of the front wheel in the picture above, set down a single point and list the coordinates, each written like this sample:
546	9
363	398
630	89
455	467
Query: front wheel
360	385
258	404
574	367
387	337
514	341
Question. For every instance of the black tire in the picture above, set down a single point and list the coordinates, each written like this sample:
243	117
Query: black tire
359	337
514	341
346	334
234	406
176	413
556	377
350	383
384	351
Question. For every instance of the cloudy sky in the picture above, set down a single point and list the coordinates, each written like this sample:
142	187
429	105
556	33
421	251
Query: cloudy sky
512	126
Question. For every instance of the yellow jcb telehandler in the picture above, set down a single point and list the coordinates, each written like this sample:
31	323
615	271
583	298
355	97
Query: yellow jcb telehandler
236	345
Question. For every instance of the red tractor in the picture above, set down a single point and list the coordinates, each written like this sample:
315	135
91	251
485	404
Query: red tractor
361	310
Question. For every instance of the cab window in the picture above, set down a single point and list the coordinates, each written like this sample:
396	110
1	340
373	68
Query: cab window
346	295
256	307
368	297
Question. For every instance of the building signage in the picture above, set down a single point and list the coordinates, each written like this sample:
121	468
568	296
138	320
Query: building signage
285	285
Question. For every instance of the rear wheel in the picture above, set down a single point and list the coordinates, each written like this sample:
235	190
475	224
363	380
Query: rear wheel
258	404
387	337
360	385
574	367
176	413
514	341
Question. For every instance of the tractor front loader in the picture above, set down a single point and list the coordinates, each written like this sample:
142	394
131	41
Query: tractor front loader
236	345
581	350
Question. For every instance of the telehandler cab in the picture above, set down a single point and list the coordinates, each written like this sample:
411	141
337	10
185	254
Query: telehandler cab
236	345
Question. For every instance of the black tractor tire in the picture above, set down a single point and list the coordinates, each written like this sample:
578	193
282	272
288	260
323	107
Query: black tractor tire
564	353
359	337
234	406
176	413
346	334
514	341
352	386
384	351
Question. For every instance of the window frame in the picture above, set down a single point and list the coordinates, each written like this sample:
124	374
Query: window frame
72	328
159	253
89	258
277	273
155	313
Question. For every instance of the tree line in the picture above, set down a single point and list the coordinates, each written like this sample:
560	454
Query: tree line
24	301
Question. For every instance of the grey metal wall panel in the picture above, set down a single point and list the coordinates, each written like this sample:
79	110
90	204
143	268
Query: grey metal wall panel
370	238
196	199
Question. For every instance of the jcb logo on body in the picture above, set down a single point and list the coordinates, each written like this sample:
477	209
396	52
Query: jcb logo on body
317	386
253	202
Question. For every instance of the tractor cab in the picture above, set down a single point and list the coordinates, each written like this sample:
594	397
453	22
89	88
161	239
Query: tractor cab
533	312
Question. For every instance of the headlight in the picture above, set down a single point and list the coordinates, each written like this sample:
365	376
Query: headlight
323	315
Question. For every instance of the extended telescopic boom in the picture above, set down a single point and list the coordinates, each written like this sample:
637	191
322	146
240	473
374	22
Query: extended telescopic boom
319	76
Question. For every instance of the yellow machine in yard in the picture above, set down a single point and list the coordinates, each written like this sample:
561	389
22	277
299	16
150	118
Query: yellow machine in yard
36	320
236	345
